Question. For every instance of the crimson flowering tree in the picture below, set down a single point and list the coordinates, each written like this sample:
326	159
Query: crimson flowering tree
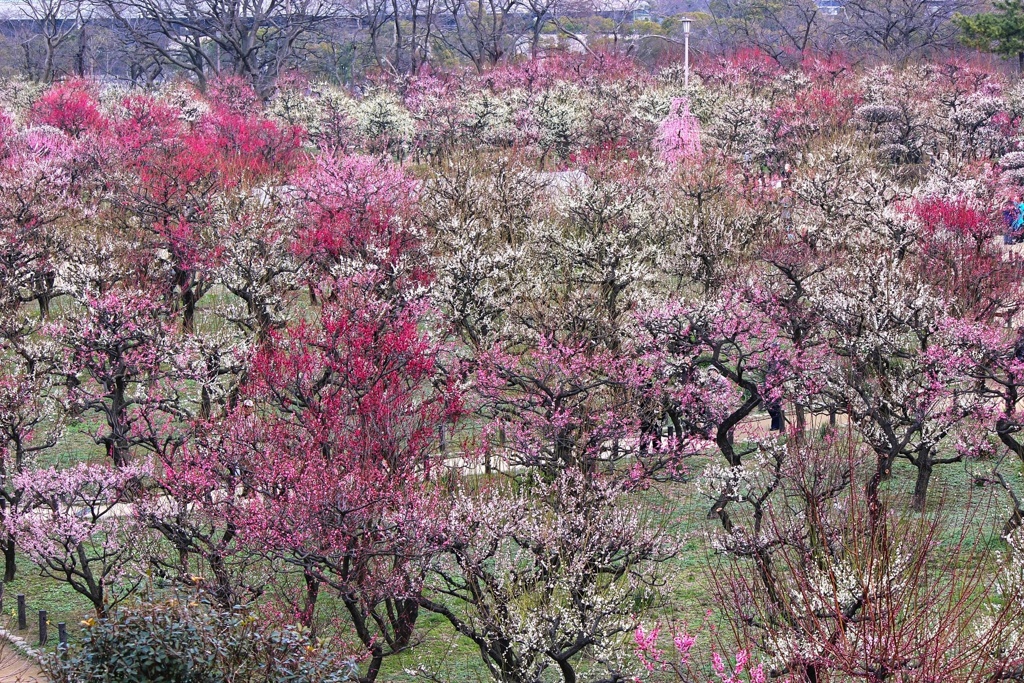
198	188
71	107
358	215
799	124
960	257
325	462
332	446
164	189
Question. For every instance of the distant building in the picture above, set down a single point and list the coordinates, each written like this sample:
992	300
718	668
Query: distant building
830	7
623	10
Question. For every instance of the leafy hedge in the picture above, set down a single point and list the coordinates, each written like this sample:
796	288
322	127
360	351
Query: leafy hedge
175	642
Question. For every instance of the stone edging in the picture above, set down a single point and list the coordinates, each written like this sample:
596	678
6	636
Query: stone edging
22	646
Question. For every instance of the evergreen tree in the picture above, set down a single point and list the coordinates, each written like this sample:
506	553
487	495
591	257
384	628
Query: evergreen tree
1000	31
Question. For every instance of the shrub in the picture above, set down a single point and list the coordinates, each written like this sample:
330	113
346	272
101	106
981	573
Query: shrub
175	642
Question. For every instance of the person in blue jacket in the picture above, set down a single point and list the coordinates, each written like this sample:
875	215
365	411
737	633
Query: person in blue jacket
1014	217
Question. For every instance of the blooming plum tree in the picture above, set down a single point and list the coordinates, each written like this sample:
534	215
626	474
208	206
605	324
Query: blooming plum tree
115	354
78	527
546	578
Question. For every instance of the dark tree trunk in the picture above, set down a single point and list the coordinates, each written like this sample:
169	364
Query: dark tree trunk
376	659
44	292
724	441
10	559
407	611
568	673
205	403
872	491
924	475
83	46
1015	521
677	426
188	314
309	607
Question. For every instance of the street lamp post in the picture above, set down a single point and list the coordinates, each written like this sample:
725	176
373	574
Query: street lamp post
686	52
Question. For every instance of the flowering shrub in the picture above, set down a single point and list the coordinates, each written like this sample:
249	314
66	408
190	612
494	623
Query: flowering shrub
680	662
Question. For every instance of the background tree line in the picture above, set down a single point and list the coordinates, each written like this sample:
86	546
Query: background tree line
145	41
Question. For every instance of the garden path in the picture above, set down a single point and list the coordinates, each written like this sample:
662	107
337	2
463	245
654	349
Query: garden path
15	668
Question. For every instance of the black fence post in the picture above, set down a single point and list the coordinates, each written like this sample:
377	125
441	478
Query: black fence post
62	636
43	635
22	618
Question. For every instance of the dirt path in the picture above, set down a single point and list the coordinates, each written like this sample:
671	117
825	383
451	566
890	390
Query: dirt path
16	669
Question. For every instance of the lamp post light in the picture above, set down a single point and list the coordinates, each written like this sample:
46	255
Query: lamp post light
686	51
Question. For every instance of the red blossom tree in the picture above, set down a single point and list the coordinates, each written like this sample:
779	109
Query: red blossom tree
327	460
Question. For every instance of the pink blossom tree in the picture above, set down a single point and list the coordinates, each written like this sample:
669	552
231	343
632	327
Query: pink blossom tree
678	138
30	424
36	180
78	527
326	461
325	464
728	359
115	355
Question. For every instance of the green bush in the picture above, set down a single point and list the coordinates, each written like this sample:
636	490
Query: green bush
175	642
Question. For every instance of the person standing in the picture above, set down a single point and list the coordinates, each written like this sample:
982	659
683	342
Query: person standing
1017	227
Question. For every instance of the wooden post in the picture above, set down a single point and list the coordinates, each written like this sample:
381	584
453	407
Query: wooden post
62	635
43	635
22	617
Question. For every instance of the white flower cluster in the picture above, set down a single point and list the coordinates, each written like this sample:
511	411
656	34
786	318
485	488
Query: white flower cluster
17	96
182	97
555	566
